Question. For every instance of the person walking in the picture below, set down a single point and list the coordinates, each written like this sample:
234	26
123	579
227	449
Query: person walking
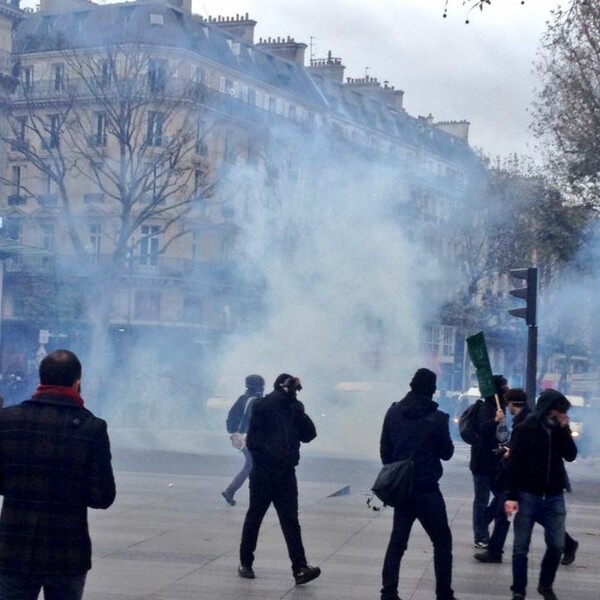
536	481
237	424
414	427
278	425
516	404
55	462
485	462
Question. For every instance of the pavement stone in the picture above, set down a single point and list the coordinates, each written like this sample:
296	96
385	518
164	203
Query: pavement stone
172	537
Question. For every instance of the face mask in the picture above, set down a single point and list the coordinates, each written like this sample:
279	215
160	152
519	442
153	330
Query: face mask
550	422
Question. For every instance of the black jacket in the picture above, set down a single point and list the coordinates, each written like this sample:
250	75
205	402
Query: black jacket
238	418
483	459
537	451
277	426
414	426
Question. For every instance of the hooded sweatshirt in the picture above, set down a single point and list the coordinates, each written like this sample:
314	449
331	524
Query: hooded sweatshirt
415	427
538	448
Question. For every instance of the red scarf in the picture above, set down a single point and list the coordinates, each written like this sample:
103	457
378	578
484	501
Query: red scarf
58	390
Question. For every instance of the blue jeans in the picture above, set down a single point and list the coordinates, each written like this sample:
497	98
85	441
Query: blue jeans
483	509
25	586
550	513
239	479
429	508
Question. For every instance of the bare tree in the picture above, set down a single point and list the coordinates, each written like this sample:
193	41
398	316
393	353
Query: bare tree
567	111
123	128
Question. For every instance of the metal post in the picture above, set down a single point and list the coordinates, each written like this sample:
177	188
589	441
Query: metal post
531	377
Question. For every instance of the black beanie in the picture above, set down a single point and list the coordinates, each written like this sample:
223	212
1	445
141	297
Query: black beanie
424	382
281	379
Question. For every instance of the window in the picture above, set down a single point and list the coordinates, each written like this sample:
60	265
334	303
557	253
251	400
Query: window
156	19
155	128
229	146
14	229
272	104
226	86
192	309
58	77
94	240
147	305
54	131
252	97
201	147
196	247
20	128
99	135
199	181
199	75
441	342
28	78
106	75
17	179
149	245
292	112
48	236
157	74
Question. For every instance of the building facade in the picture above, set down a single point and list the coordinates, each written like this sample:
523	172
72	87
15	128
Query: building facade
138	143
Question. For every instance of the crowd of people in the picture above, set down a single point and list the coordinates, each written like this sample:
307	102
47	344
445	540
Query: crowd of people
520	474
55	463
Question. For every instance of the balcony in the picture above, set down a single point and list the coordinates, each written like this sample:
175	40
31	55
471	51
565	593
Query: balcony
48	200
16	200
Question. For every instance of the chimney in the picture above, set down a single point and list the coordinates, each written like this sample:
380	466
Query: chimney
239	26
458	129
286	48
330	67
392	97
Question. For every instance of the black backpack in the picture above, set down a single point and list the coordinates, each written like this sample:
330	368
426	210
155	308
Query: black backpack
467	424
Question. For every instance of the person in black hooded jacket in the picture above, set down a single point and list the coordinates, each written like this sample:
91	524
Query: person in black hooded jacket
536	481
415	427
278	425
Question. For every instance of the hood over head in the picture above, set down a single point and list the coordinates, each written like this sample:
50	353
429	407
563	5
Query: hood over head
424	382
550	399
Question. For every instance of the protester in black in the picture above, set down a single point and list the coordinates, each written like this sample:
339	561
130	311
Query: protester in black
237	423
277	427
485	462
536	481
415	427
516	404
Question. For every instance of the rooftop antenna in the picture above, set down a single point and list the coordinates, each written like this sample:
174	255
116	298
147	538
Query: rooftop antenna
367	72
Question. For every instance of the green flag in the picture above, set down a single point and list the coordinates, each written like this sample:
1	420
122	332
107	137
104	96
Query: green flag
479	357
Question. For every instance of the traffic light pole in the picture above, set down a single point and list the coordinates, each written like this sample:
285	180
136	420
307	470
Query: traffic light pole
531	375
529	313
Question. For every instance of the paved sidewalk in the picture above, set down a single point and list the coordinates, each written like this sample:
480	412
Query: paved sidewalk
171	537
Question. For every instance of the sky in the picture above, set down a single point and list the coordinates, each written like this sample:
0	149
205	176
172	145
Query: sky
480	72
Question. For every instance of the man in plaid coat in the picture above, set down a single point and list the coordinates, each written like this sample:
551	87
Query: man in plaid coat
55	462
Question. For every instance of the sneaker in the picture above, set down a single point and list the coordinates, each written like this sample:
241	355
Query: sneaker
488	557
518	597
481	545
306	574
246	572
569	555
228	498
547	593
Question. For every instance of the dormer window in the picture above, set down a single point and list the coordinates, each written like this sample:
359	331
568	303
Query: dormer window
157	19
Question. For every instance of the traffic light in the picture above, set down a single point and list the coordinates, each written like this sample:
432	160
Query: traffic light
529	294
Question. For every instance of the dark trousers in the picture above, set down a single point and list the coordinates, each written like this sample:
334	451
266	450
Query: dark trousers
239	479
271	485
483	509
429	508
501	527
25	586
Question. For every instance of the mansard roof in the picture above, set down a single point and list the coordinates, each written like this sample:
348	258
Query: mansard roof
110	24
